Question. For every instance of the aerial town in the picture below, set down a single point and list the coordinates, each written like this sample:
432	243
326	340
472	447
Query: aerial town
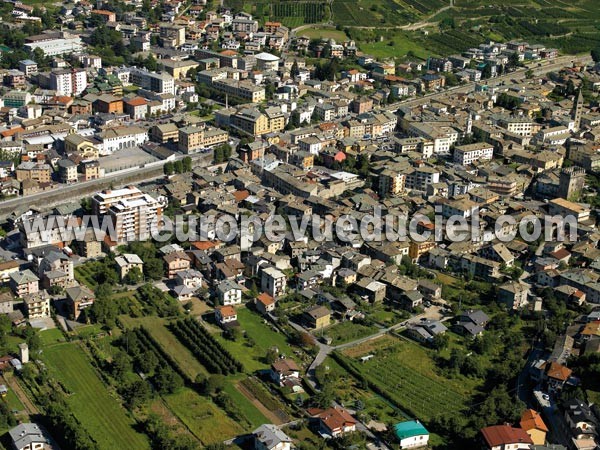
198	244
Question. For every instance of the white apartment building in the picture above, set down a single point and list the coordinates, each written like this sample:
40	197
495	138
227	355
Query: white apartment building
102	201
161	83
443	137
273	282
133	219
523	126
68	81
468	154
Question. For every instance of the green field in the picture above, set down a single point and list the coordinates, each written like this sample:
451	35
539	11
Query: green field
324	33
202	417
100	414
253	415
52	336
343	332
158	330
263	337
406	373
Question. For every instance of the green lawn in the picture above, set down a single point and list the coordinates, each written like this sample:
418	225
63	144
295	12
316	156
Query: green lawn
324	33
202	417
100	414
395	46
263	337
13	401
343	332
52	336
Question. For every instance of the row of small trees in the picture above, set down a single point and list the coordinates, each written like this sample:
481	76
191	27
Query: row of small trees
205	348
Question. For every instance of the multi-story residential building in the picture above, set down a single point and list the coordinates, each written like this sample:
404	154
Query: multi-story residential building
24	282
102	201
28	67
514	295
176	262
161	83
134	219
107	16
193	139
37	304
127	262
136	107
108	104
229	292
29	436
243	89
79	298
29	170
468	154
523	126
419	178
67	171
273	282
69	82
164	133
391	183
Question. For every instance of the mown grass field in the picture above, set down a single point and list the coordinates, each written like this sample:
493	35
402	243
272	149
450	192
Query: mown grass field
100	414
324	33
406	373
343	332
263	338
52	336
202	417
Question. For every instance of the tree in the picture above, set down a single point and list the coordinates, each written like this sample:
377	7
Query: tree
529	74
187	164
136	393
178	166
213	384
121	364
147	362
596	54
168	168
486	72
166	380
153	268
440	341
294	71
134	276
271	356
513	60
325	397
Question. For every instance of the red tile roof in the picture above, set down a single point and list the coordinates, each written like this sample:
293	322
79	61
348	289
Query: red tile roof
265	299
558	371
504	434
531	420
333	418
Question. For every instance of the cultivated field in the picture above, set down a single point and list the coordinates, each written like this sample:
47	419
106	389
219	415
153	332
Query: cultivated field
100	414
405	373
202	417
